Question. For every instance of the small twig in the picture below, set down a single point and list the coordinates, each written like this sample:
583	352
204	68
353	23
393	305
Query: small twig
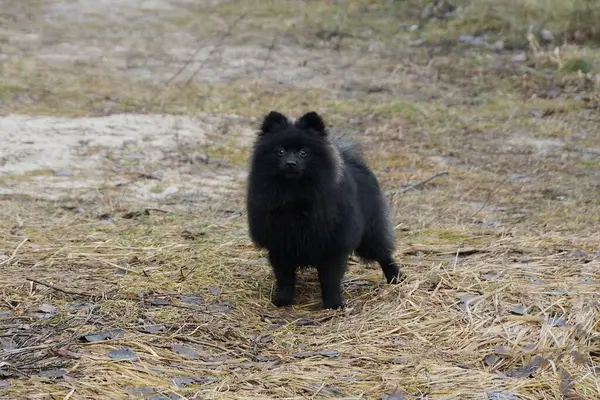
189	273
191	59
200	342
489	195
14	334
268	56
68	396
180	70
26	349
14	253
422	183
14	368
443	251
187	62
158	210
117	266
137	174
456	259
418	185
184	307
75	334
225	35
72	293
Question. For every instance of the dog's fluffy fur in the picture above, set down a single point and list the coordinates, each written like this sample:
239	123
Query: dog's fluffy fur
313	201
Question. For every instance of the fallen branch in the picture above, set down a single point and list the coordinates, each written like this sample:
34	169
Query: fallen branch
489	196
158	210
418	185
191	59
216	47
422	183
69	292
269	51
202	343
443	250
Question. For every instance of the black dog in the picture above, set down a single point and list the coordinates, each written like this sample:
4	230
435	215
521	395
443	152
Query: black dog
313	201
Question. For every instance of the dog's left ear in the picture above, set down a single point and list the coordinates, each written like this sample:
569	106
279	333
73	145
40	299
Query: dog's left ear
313	121
272	122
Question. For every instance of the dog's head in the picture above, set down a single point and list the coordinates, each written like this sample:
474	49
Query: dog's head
295	150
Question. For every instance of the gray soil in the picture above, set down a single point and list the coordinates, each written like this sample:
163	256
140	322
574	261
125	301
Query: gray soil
55	158
151	156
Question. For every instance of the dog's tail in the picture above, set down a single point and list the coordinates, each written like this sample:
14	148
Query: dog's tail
348	149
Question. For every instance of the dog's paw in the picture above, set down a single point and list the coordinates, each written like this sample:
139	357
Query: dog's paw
283	297
334	304
394	279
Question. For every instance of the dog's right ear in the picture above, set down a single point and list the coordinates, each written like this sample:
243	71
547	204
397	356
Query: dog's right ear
313	121
272	122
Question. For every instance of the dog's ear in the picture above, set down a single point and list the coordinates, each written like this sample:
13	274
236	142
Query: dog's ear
313	121
272	122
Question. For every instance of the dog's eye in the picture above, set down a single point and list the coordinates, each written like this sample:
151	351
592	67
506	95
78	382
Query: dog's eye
303	153
280	152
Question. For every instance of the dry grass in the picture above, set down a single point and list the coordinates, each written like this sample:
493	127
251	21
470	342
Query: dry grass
429	336
514	223
516	18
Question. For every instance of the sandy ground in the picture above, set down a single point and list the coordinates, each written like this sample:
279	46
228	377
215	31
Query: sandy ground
153	156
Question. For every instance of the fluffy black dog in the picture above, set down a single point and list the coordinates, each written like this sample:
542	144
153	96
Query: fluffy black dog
313	201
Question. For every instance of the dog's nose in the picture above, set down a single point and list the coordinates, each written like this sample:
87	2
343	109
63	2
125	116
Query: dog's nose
290	164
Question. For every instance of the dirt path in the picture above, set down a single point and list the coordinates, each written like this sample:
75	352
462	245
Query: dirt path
154	43
146	157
